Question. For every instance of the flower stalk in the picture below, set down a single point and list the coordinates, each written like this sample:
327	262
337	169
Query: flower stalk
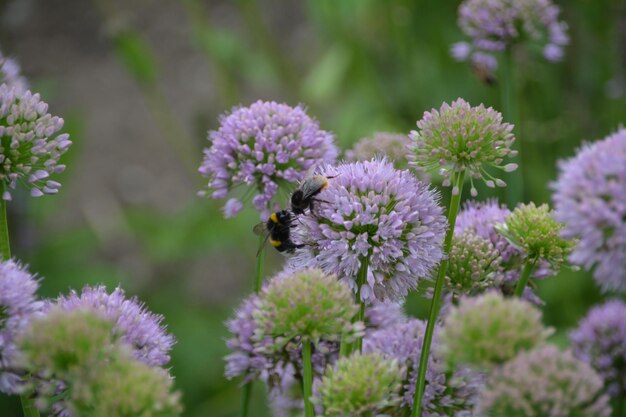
455	203
529	266
28	404
307	383
361	279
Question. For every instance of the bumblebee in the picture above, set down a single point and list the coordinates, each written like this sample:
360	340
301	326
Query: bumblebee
277	230
484	74
304	196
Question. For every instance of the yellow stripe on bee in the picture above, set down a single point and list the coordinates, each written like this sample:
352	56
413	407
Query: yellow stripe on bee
274	217
275	243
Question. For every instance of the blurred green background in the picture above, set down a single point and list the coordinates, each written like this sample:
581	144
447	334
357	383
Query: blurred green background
140	82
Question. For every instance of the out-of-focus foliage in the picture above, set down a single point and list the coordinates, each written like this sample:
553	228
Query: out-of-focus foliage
360	66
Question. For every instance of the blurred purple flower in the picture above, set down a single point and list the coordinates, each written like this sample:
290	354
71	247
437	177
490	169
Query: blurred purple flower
377	212
589	198
446	394
495	25
18	304
544	382
137	326
393	146
31	148
265	146
600	341
10	74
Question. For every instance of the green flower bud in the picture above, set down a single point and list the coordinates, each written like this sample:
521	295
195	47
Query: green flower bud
534	231
307	304
474	264
359	384
488	330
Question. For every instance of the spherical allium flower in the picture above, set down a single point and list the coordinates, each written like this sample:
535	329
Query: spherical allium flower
534	231
360	384
126	388
589	198
497	25
10	74
474	264
373	213
600	341
265	146
82	368
460	138
61	344
488	330
137	326
544	382
30	146
393	146
308	305
446	393
18	306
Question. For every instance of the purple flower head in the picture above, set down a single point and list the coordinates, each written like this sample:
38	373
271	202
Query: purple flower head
589	198
374	213
600	341
544	382
31	148
265	146
446	394
10	74
137	326
495	25
18	305
460	138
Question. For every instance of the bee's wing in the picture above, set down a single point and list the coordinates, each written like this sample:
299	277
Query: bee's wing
260	229
312	186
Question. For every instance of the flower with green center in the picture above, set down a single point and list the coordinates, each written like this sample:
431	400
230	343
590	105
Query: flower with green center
459	138
81	369
544	382
361	385
309	305
126	387
534	231
474	264
61	344
487	330
30	146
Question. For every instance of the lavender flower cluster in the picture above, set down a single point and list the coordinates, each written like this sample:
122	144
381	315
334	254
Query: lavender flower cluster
266	146
496	25
78	353
589	199
376	214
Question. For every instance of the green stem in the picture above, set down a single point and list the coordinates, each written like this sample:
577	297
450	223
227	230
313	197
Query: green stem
245	401
455	203
5	247
307	387
258	281
28	404
258	273
524	277
515	187
361	279
367	414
